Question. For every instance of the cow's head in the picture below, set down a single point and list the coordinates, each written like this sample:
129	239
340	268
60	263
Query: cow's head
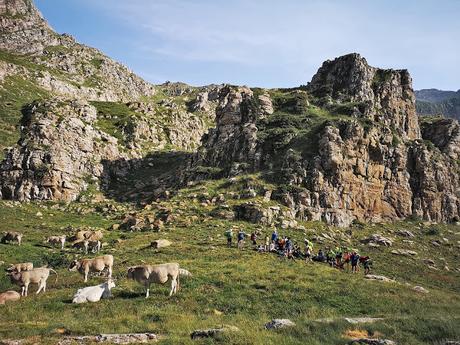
130	274
74	265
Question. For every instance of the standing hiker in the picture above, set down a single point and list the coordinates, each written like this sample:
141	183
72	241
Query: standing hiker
229	235
240	238
308	250
354	262
367	263
274	236
254	238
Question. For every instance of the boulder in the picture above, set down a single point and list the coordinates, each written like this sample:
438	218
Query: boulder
378	240
420	289
405	233
371	341
212	332
157	244
403	252
380	278
356	320
279	323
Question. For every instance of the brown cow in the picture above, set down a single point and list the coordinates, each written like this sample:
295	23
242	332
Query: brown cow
98	264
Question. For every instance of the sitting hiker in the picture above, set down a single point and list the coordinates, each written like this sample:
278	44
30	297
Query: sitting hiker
229	236
330	257
354	262
281	244
367	265
297	252
240	238
272	247
320	257
274	236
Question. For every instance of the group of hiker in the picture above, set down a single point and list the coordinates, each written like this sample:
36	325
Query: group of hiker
285	247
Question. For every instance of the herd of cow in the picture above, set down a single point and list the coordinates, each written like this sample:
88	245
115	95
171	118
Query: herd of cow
24	274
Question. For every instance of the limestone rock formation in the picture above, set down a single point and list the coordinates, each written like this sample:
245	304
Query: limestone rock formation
66	67
369	164
384	96
59	153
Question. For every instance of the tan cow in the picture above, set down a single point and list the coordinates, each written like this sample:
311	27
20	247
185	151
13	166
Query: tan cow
12	236
36	276
98	264
160	274
87	235
8	296
56	240
24	266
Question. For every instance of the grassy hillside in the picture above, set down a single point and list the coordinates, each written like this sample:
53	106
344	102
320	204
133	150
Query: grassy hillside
229	287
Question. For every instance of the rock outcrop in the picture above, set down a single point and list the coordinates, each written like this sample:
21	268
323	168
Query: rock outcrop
60	152
383	96
66	67
369	164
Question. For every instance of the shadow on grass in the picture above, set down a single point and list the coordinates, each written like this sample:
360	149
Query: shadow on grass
144	179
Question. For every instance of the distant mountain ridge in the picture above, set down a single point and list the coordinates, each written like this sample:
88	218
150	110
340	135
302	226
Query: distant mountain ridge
438	102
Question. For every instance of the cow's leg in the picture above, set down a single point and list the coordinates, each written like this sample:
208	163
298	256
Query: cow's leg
147	287
86	275
40	287
173	286
178	281
23	290
26	290
110	271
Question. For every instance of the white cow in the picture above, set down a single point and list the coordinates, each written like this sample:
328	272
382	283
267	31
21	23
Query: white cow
94	293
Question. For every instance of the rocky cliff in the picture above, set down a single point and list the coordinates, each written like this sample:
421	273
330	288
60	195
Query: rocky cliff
60	64
348	147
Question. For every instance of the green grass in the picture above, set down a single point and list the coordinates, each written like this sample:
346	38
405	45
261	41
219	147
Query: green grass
247	288
15	94
112	117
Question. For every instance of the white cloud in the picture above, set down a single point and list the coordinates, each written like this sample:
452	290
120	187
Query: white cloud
295	34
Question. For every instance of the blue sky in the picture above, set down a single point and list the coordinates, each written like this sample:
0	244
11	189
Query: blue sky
266	43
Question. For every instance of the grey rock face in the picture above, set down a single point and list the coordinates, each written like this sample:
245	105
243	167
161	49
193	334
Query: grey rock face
59	153
279	323
378	172
69	68
384	96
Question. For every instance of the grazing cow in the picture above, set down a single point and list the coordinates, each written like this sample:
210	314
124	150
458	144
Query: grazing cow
81	244
9	296
24	266
98	264
94	246
160	274
36	276
94	293
12	236
87	235
56	240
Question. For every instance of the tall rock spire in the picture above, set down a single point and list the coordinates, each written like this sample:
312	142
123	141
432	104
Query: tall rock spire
382	95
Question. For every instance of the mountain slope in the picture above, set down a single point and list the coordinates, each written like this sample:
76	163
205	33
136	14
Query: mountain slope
437	102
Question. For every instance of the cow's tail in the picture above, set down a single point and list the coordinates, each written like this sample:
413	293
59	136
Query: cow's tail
184	273
51	270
